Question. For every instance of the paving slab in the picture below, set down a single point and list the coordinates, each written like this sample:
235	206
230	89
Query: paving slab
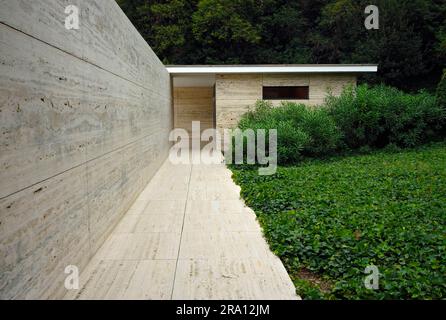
187	236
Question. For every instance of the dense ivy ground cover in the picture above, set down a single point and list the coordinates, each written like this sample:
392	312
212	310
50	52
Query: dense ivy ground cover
331	218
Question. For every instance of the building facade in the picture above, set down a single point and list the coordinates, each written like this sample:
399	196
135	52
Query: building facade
218	96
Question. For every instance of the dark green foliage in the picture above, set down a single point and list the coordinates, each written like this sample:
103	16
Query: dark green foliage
166	26
335	217
410	45
403	46
226	29
441	92
301	131
381	115
322	130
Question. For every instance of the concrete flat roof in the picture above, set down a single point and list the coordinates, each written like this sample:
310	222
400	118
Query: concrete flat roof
272	68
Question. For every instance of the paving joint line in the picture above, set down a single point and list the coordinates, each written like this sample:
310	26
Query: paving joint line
181	234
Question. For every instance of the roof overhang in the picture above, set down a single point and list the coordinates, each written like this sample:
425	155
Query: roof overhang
281	68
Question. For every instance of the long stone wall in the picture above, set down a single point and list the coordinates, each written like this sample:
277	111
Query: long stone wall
84	122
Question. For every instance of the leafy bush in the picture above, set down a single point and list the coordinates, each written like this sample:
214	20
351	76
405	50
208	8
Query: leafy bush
323	135
335	217
381	115
362	118
441	91
302	131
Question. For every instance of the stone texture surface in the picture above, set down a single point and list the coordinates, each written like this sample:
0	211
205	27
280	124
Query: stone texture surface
193	104
84	122
236	93
196	247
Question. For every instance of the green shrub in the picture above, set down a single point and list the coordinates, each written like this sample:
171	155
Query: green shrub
322	130
441	100
290	141
361	118
441	91
301	131
381	115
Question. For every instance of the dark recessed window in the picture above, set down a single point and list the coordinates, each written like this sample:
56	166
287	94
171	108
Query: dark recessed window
285	93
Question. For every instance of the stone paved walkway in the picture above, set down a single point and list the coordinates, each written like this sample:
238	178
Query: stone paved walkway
188	236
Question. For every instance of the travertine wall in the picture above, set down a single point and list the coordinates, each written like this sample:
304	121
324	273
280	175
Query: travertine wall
84	122
193	104
236	93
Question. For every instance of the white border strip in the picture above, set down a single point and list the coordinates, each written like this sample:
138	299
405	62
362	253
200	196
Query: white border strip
271	69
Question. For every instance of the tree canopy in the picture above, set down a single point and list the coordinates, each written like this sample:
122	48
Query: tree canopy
409	46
